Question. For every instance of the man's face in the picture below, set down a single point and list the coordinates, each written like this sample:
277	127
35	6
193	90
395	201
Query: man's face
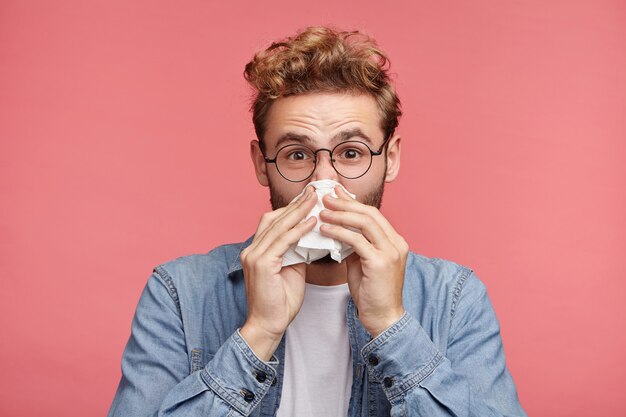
323	120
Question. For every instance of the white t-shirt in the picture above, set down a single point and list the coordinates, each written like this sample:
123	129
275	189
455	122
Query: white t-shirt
318	361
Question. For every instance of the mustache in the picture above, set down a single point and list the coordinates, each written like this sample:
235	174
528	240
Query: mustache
373	198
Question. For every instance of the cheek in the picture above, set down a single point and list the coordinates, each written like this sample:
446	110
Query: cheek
288	190
294	190
367	184
356	187
378	167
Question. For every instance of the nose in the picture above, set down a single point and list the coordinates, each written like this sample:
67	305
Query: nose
324	169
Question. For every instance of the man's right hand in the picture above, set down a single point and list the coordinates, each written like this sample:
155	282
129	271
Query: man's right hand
275	293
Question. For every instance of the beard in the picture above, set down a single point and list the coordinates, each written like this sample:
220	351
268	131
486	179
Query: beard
374	198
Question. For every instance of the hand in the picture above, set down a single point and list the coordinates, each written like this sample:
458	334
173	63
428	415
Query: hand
376	268
274	293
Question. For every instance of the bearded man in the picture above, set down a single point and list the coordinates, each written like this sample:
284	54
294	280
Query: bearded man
356	326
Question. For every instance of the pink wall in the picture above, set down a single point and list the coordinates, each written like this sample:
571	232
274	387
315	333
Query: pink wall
116	118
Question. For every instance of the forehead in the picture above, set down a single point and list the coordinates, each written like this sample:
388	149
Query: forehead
322	117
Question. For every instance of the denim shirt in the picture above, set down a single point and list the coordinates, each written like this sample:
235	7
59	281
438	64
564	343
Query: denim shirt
186	357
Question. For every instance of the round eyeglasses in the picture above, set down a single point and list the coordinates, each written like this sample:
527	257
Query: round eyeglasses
351	159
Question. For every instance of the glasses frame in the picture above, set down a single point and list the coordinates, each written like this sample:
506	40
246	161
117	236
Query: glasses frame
332	161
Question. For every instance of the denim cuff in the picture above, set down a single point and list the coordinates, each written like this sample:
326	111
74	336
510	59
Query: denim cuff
238	376
401	357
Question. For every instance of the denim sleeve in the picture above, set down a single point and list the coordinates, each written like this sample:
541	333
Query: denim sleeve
156	378
471	379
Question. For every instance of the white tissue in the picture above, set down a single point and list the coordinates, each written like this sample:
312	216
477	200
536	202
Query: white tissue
313	245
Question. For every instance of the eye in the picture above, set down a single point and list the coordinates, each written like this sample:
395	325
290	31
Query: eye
298	155
350	153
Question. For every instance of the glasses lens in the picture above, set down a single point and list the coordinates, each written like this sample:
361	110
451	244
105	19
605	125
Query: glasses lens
352	159
295	162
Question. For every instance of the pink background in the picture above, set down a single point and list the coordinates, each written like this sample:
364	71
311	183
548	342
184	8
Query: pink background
124	137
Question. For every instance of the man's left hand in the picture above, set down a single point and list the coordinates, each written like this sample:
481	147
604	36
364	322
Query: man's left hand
376	268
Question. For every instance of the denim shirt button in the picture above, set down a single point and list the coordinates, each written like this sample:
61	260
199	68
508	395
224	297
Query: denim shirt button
247	395
274	381
261	376
373	360
388	382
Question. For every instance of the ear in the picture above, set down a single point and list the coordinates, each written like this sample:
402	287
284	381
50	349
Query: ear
393	158
260	166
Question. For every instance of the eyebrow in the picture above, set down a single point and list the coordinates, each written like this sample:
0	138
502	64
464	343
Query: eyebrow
339	137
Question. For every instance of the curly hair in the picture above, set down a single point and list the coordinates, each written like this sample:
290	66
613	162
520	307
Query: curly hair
321	59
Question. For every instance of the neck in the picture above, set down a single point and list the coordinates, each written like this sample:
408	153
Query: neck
332	273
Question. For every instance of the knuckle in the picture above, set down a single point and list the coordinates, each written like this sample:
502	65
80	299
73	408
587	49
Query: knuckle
396	257
371	211
255	269
401	244
260	266
361	239
249	261
304	224
267	217
379	263
404	247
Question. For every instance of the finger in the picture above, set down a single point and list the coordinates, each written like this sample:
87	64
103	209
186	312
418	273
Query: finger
268	219
264	239
361	222
294	205
279	246
286	222
360	244
306	194
342	193
352	205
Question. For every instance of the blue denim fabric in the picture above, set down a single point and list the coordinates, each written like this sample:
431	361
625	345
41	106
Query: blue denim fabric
186	357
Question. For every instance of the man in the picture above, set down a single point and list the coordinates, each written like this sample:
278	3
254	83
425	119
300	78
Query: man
384	332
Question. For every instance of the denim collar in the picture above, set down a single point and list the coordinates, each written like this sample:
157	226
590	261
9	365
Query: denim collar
235	264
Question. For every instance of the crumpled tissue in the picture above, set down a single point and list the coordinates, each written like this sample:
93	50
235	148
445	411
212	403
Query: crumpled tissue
314	245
